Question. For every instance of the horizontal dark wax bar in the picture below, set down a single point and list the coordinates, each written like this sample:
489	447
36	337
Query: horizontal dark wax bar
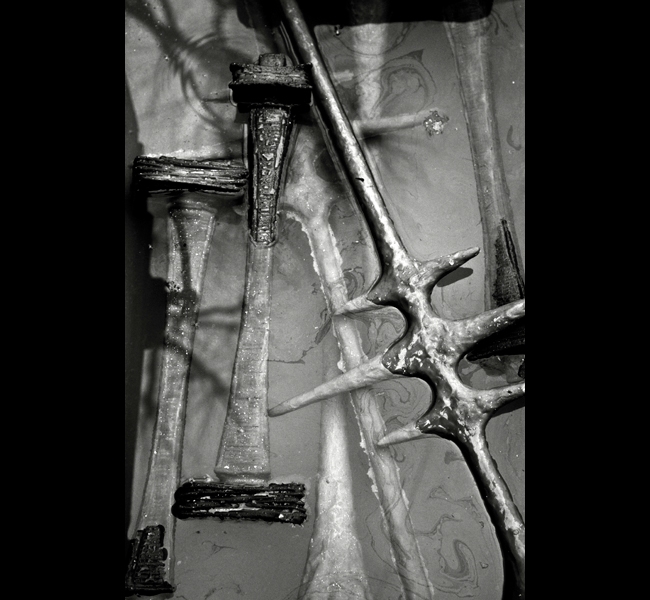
165	174
271	84
278	502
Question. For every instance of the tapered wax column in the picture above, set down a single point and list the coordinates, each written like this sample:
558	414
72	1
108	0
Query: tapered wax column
191	190
244	450
334	568
273	90
469	34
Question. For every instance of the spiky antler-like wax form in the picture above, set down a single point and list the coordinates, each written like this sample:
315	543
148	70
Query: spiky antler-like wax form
432	346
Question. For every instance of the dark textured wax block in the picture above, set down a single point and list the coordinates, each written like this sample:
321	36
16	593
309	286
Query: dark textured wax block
166	174
276	502
145	571
508	284
260	84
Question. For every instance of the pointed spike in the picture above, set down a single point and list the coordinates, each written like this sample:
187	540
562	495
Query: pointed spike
495	398
365	374
403	434
432	271
452	261
459	258
356	305
489	322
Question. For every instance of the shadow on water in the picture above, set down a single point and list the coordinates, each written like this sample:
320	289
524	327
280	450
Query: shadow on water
200	62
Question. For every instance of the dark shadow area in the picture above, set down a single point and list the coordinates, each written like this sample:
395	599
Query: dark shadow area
190	58
510	407
357	12
258	14
454	276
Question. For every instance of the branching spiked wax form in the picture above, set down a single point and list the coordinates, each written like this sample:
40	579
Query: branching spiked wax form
192	191
273	91
431	347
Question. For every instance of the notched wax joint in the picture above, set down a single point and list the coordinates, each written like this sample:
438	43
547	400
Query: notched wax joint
145	574
277	502
273	81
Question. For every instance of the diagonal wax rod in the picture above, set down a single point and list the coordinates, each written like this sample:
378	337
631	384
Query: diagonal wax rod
366	128
361	376
192	191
